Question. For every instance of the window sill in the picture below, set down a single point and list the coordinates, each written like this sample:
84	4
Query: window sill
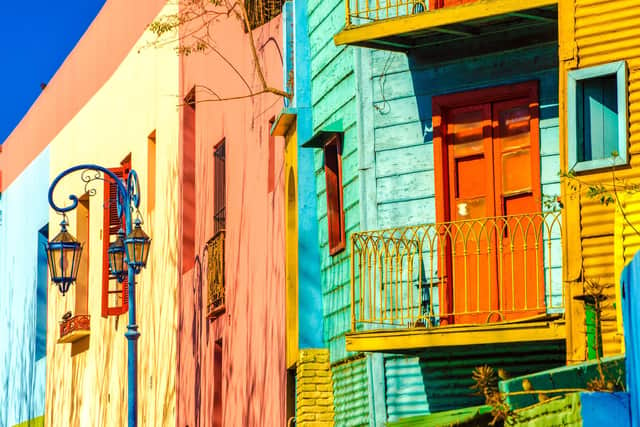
598	165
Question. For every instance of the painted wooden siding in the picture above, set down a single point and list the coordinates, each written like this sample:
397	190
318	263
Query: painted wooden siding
441	379
403	135
333	98
600	32
351	393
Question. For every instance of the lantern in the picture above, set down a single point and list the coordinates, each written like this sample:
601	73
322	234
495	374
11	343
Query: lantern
116	253
137	247
63	257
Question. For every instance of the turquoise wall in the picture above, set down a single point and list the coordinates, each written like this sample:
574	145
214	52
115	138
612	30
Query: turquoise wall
25	211
384	102
333	98
309	288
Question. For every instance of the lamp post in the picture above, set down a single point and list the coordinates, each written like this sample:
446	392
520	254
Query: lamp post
127	255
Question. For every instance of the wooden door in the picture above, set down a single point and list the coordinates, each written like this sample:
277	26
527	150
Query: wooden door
517	183
471	196
490	165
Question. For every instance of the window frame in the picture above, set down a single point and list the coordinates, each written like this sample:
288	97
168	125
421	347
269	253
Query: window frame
619	69
338	246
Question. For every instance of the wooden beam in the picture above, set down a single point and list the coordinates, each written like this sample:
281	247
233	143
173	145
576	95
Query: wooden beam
415	339
435	18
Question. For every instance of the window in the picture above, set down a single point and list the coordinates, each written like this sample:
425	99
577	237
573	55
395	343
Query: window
188	208
151	171
597	106
218	403
335	208
219	187
82	233
271	179
41	294
115	295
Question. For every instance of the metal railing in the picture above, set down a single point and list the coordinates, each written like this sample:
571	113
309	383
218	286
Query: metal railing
215	275
363	11
464	272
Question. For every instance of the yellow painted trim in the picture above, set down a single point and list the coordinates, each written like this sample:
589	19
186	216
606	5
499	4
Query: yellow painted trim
436	18
422	338
74	336
291	243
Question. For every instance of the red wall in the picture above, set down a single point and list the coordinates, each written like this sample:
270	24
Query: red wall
252	329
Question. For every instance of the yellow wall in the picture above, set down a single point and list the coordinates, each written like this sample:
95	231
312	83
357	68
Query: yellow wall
291	221
87	381
594	32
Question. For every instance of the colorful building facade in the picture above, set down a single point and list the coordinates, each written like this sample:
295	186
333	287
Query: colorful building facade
231	314
594	48
438	253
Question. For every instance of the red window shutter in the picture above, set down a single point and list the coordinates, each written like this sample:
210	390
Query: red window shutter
111	225
335	208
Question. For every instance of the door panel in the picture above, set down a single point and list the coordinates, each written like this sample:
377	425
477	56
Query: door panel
517	183
470	157
494	260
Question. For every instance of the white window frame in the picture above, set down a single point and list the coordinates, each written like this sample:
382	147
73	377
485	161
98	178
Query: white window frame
619	69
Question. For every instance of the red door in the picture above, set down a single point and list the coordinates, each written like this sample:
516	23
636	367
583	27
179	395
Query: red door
490	173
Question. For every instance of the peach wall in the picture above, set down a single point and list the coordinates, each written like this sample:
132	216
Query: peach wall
93	60
253	328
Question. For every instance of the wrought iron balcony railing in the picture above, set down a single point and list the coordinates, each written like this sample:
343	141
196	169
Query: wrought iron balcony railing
74	328
465	272
363	11
215	275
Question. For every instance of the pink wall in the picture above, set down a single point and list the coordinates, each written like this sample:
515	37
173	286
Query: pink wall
253	328
85	70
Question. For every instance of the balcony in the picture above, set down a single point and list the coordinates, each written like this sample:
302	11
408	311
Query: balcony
443	25
480	281
74	328
215	276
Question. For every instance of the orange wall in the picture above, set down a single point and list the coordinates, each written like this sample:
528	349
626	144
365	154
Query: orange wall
86	69
252	329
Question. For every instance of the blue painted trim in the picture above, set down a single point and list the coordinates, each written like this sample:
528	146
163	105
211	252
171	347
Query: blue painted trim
618	68
309	274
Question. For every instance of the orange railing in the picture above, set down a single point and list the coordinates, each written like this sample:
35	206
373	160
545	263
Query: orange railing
215	275
363	11
464	272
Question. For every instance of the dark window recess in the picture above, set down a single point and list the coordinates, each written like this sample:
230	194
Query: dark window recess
41	295
597	117
188	197
115	295
335	207
219	188
271	178
262	11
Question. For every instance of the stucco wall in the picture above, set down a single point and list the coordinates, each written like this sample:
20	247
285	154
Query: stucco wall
252	329
24	212
87	380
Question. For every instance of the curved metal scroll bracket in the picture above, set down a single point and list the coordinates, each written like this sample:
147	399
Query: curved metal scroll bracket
133	186
90	173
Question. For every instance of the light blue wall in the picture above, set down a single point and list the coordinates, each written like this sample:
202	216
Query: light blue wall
24	212
309	292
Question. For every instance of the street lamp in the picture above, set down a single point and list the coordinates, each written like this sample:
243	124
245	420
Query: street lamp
127	256
63	257
116	253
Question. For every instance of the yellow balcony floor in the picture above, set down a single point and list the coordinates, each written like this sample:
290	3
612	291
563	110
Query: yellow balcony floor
407	340
483	23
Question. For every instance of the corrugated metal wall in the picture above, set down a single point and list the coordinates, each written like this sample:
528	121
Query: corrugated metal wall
605	31
441	379
351	393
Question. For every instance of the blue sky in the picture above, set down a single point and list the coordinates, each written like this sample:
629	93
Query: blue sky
38	35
